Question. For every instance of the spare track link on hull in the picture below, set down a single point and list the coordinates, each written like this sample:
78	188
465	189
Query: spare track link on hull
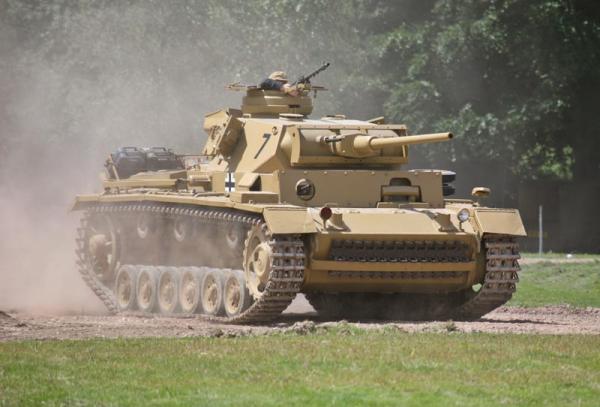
501	278
285	279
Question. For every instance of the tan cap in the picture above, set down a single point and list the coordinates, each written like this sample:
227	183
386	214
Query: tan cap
279	76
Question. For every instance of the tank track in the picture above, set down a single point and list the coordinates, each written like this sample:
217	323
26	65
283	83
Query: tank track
285	279
500	281
501	277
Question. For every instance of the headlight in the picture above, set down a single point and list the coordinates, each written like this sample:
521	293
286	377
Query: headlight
305	189
463	215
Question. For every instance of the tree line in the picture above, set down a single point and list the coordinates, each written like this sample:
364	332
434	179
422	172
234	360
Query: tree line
516	81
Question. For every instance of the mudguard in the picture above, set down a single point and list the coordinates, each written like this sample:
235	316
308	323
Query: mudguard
499	221
289	220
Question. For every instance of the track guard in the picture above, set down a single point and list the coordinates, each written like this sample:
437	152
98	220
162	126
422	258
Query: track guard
500	221
289	220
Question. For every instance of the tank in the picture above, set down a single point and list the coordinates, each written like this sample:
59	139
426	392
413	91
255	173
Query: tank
278	204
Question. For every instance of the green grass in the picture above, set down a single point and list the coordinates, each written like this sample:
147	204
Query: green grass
337	367
576	284
552	255
340	366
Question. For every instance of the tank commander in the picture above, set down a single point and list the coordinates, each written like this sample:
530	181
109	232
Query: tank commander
278	81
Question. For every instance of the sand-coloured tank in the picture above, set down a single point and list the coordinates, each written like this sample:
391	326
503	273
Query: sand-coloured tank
280	204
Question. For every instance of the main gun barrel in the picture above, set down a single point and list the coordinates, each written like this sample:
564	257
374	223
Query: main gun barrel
367	145
382	142
360	145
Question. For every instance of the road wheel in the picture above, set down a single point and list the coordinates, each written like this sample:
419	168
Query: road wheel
146	289
168	290
237	298
189	290
212	293
125	287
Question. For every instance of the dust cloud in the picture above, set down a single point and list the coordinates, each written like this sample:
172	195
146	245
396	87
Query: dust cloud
76	84
78	80
38	272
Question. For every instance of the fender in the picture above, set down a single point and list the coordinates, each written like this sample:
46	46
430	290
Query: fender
289	220
83	202
499	221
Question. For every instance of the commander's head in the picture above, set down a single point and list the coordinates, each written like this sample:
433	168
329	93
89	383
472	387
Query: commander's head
279	76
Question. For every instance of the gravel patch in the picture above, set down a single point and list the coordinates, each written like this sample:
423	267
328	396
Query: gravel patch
554	320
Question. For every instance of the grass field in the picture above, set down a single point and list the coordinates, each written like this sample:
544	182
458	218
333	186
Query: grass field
554	256
340	366
576	284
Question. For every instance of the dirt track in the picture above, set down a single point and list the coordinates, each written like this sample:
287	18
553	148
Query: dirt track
543	320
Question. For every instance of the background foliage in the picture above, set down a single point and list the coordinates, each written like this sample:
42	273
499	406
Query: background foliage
516	81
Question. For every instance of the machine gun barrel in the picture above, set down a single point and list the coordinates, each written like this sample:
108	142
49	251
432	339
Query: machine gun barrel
307	78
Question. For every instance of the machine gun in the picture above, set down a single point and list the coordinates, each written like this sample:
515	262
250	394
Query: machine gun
305	79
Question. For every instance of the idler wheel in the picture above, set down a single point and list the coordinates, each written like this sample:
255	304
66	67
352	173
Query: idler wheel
181	229
168	290
146	289
125	287
189	290
258	260
102	247
237	298
212	293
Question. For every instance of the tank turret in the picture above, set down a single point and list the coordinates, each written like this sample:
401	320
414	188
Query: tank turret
272	129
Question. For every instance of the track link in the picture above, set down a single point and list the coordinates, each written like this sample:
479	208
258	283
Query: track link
501	278
285	279
86	269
